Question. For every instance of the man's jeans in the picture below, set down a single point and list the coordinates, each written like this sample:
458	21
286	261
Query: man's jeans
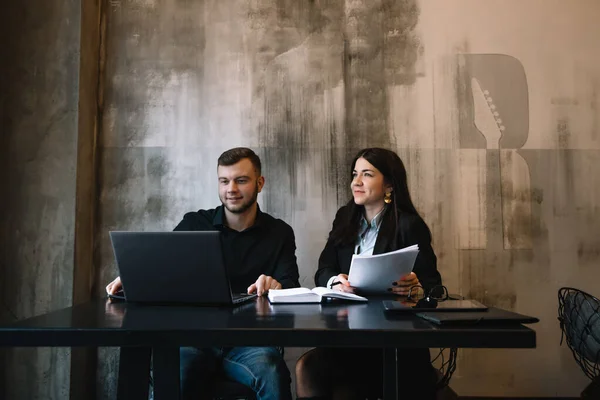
260	368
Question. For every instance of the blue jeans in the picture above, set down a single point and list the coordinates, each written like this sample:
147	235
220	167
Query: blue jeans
260	368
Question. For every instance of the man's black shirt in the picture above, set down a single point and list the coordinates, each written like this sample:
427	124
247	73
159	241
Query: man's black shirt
267	247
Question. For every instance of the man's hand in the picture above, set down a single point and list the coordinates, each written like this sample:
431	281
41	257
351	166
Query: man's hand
403	285
341	284
114	286
263	284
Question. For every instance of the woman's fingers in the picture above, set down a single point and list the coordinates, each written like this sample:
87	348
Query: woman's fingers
403	285
402	291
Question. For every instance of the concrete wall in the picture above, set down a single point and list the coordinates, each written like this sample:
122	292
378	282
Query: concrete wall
510	197
39	70
531	229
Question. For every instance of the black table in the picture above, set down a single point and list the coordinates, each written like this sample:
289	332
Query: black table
143	331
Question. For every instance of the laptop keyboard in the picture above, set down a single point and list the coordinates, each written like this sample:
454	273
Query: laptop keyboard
241	297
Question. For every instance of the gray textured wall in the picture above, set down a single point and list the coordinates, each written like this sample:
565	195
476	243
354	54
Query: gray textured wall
508	195
39	70
493	108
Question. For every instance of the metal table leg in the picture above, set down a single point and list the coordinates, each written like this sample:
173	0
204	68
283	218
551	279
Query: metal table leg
134	373
390	374
165	368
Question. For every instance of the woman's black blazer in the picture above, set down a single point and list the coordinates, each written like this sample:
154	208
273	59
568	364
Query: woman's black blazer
336	260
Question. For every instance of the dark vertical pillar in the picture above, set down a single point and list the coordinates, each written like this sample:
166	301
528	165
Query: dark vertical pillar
38	119
84	360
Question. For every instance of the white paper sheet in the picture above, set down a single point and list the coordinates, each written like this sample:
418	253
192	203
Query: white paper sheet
375	273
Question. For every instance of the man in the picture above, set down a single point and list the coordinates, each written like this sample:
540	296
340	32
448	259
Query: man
259	252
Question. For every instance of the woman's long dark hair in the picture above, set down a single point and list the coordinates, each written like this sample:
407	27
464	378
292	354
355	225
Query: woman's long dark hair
394	174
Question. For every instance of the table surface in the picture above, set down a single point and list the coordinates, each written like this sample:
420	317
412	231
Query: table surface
257	323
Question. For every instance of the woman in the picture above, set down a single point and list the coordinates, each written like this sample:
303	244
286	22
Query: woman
380	218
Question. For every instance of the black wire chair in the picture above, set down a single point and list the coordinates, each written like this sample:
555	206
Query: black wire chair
445	366
579	316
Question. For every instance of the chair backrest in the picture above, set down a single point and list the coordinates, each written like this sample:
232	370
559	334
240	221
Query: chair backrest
579	316
445	364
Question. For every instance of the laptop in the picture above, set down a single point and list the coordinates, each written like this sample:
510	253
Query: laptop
492	316
173	268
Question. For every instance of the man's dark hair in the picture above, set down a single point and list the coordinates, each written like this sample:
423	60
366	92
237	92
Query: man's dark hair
237	154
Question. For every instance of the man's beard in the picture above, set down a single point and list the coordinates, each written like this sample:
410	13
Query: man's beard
244	206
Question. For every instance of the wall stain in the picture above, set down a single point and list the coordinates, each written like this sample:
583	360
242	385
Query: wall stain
154	207
564	175
360	47
537	195
158	166
402	45
595	111
563	133
588	252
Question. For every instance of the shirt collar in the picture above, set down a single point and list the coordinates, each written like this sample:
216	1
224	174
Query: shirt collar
375	222
219	218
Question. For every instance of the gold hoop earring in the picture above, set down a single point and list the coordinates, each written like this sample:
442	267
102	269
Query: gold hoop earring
387	198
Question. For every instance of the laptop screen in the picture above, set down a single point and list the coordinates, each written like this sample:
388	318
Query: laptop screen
172	267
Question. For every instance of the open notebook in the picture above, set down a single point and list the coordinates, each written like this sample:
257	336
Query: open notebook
305	295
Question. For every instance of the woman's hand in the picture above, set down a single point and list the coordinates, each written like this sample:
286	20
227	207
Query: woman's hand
402	286
341	284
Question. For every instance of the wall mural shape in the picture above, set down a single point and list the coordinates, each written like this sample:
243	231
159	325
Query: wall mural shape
493	126
493	179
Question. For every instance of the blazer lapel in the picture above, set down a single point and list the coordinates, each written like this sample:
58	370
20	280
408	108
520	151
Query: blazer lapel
383	244
345	258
